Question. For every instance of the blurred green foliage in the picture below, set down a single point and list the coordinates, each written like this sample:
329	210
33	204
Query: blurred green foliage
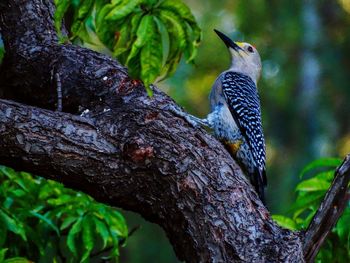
2	52
148	243
45	222
148	36
4	259
310	193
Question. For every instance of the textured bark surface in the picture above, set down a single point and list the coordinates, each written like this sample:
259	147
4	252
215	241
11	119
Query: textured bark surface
128	151
149	162
33	57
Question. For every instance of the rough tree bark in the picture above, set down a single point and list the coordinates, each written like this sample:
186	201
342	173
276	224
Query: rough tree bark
127	151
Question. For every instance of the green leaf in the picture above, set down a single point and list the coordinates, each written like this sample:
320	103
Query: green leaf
306	201
84	9
2	254
68	221
324	162
143	34
174	21
192	44
123	36
60	200
116	2
308	218
285	222
117	224
313	184
99	4
134	65
2	53
101	14
165	38
127	36
151	56
135	22
46	220
102	230
326	176
81	15
88	238
8	172
12	224
21	183
179	8
122	10
106	30
343	227
72	234
193	32
19	193
61	9
151	3
177	42
17	260
49	190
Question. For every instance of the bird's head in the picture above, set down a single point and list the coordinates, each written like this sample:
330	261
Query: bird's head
245	57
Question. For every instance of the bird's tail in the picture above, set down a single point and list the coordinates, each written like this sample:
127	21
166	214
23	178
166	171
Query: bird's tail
258	179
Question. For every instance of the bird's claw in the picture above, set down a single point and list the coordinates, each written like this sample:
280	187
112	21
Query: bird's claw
192	122
177	111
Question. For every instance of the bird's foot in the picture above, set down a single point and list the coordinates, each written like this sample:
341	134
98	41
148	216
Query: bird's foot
194	121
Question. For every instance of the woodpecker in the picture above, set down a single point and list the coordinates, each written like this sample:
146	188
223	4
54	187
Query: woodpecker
235	111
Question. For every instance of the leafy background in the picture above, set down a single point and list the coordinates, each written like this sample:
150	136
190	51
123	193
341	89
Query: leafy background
304	93
310	193
148	36
45	222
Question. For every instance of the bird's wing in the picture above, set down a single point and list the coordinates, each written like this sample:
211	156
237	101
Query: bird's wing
243	100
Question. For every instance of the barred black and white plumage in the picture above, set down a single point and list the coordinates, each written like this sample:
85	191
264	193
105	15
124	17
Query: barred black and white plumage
244	104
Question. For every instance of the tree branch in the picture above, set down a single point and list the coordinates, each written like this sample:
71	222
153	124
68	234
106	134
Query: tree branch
329	212
33	58
127	151
145	160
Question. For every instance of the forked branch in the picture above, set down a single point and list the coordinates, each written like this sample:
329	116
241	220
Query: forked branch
329	212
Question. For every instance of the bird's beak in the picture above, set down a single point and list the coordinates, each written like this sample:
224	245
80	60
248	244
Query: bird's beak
228	42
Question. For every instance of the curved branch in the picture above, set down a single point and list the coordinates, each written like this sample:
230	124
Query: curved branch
327	215
143	159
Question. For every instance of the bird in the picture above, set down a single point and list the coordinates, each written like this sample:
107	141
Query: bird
236	111
235	116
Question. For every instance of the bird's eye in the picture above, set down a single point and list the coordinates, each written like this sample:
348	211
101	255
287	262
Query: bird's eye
250	49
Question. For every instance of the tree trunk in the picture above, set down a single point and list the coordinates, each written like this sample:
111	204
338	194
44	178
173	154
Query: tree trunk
127	151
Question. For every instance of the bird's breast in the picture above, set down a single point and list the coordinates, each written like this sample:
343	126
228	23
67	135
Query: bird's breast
224	126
